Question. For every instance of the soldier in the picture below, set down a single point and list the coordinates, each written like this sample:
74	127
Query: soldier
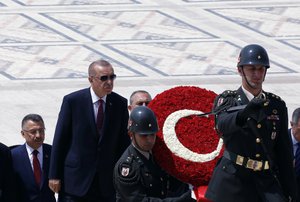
136	175
257	164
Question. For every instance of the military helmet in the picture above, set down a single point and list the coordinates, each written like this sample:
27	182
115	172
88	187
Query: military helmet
253	54
143	121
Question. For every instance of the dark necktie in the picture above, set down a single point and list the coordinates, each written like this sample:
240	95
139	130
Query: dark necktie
36	168
297	160
100	115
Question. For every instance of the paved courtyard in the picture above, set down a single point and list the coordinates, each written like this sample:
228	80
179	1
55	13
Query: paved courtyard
46	47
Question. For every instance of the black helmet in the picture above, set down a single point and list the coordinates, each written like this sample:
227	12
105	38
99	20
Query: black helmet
253	54
143	121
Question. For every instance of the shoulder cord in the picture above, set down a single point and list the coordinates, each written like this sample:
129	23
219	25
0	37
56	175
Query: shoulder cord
252	126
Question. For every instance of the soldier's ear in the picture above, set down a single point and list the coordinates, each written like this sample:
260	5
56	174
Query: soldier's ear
240	71
130	134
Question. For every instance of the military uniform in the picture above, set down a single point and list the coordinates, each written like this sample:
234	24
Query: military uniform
253	153
139	179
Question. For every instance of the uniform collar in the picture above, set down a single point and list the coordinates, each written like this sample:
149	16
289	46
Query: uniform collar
145	154
249	95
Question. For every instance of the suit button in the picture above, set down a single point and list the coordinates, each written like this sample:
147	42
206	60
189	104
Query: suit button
257	140
259	125
257	155
150	185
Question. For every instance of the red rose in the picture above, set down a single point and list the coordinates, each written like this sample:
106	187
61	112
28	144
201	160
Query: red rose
179	154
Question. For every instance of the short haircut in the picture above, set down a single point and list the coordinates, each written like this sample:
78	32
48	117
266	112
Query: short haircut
138	91
32	117
296	116
101	63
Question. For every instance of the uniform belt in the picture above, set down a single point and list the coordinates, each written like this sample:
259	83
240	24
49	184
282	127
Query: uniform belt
246	162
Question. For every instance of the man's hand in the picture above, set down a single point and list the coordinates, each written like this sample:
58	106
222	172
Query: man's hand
250	110
55	185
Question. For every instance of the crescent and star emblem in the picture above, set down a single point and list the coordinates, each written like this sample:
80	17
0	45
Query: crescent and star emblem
175	146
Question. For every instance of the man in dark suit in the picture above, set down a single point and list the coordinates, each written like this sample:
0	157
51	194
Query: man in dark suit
32	171
7	186
294	133
257	164
90	136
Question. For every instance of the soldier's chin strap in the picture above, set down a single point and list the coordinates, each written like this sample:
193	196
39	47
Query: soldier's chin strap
251	86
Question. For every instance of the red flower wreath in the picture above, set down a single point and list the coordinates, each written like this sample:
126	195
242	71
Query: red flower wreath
194	135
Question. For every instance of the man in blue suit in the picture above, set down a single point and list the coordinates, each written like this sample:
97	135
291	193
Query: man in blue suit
24	162
87	144
294	133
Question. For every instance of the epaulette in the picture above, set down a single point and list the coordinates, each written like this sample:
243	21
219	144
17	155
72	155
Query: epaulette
228	93
128	171
225	100
128	160
271	95
131	162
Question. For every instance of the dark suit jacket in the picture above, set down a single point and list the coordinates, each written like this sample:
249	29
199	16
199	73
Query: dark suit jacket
29	191
271	122
7	186
78	153
297	177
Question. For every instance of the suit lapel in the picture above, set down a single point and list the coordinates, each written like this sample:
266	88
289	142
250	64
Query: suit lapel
45	166
107	116
90	117
28	171
108	109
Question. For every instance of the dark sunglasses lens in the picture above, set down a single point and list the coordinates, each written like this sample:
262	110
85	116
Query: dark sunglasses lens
105	78
142	103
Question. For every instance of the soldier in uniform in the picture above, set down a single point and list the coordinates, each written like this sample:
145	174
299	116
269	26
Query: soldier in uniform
257	164
136	175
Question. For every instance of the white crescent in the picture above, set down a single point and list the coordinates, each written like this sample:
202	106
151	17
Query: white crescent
175	146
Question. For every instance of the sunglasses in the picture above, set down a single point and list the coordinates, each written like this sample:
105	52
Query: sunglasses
143	103
106	77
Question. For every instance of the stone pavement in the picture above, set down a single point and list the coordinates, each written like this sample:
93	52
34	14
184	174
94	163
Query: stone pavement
46	47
